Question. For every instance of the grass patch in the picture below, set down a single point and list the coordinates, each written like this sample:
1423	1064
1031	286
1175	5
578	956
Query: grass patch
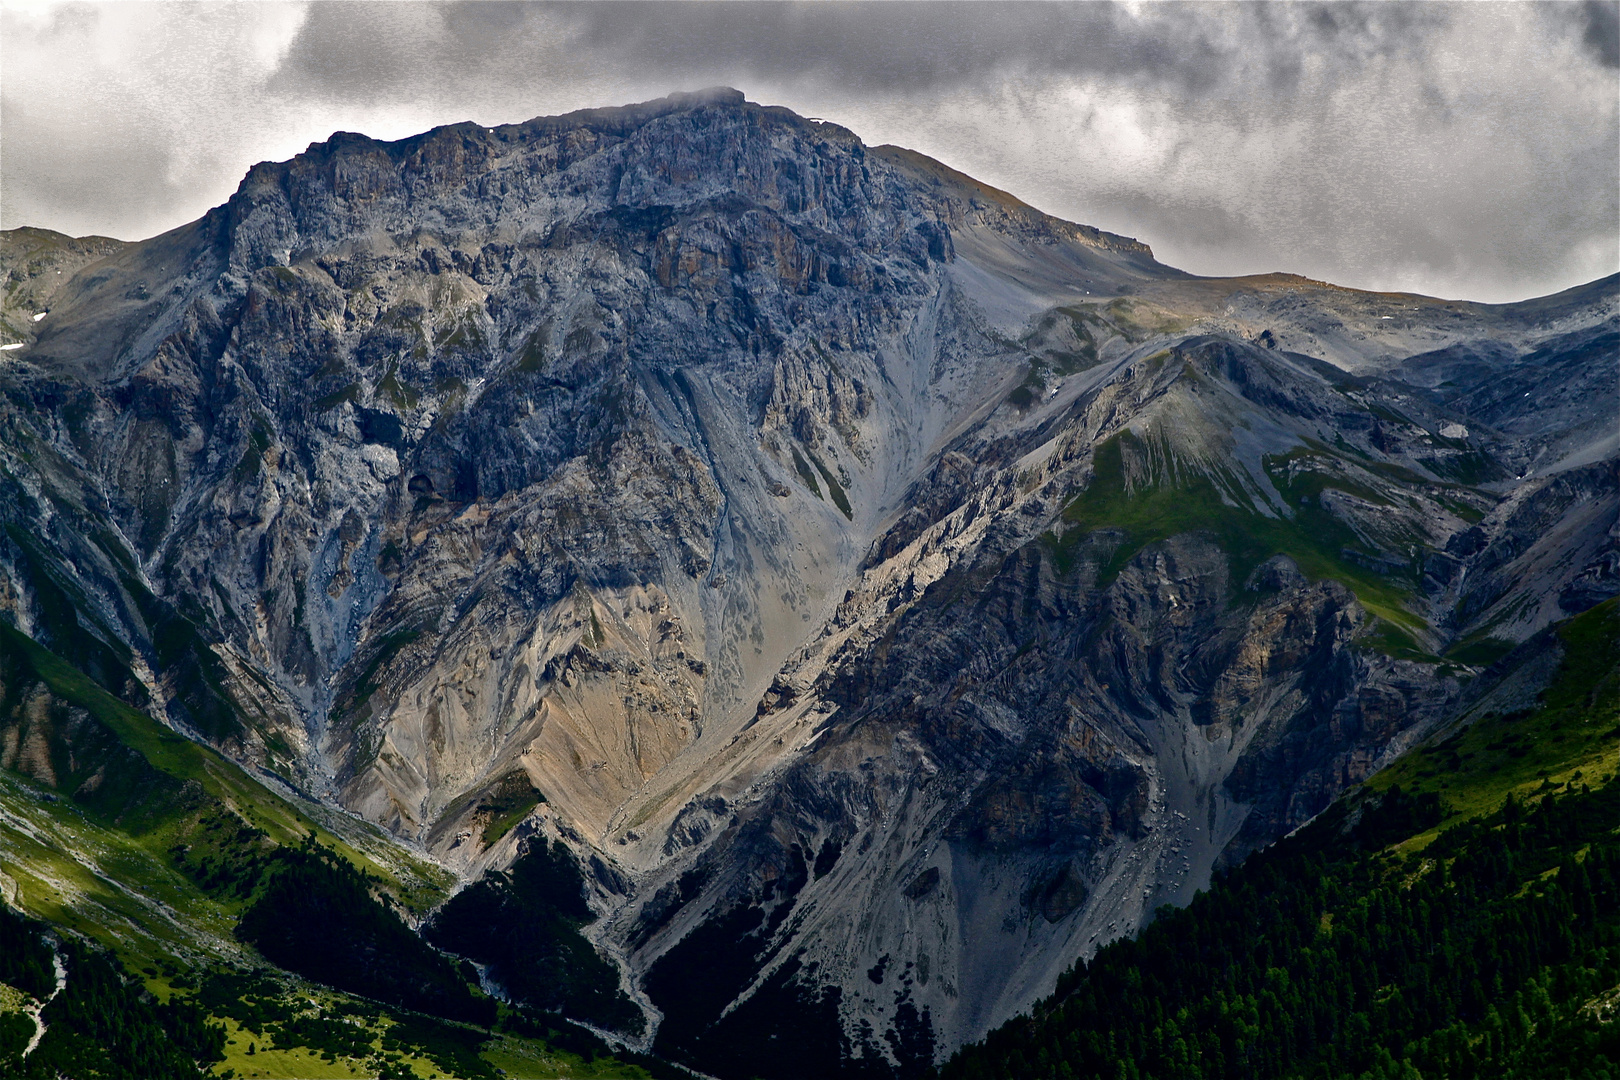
526	1059
295	1030
1067	363
464	335
334	366
253	1054
402	396
388	647
1399	473
253	456
1191	502
1573	737
533	357
1479	652
1391	640
1390	416
1306	486
1135	320
350	393
834	489
509	803
1468	512
1469	468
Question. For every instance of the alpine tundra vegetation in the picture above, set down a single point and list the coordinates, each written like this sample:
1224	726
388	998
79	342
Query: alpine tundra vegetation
674	587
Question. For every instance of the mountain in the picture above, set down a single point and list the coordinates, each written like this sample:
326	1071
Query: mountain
881	594
1456	917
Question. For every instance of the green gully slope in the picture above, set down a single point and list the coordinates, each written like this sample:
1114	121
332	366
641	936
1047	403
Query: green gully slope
1324	546
129	838
115	801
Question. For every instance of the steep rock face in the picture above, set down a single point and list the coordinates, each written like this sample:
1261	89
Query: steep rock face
1040	719
891	591
370	341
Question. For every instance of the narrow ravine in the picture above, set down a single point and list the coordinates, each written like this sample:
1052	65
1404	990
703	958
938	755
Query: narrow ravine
35	1010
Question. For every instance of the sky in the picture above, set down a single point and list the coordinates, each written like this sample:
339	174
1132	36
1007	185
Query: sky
1464	150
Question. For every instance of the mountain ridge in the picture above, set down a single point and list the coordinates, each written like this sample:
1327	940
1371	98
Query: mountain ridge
875	573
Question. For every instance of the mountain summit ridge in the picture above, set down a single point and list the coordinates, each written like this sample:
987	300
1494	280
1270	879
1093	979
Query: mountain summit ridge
886	591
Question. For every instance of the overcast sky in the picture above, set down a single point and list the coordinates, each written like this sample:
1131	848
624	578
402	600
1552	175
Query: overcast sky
1463	150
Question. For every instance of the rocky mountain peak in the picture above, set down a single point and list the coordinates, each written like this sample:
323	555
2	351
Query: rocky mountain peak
668	153
888	592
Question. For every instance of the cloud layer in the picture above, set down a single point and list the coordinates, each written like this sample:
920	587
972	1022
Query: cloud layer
1468	150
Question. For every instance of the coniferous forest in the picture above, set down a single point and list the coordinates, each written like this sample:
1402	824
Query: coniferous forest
1481	957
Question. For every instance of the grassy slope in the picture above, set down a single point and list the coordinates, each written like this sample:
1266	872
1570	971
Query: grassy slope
414	881
370	1041
76	873
119	884
1313	538
1573	737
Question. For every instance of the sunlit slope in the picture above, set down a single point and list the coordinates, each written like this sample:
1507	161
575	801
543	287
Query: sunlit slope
1511	742
130	837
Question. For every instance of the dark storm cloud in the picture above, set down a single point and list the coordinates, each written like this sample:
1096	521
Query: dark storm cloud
1458	149
1602	32
370	48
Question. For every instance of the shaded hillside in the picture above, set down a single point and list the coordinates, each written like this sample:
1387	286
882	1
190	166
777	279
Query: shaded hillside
1464	927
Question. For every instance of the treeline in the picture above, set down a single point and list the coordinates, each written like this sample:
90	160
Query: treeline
1482	956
